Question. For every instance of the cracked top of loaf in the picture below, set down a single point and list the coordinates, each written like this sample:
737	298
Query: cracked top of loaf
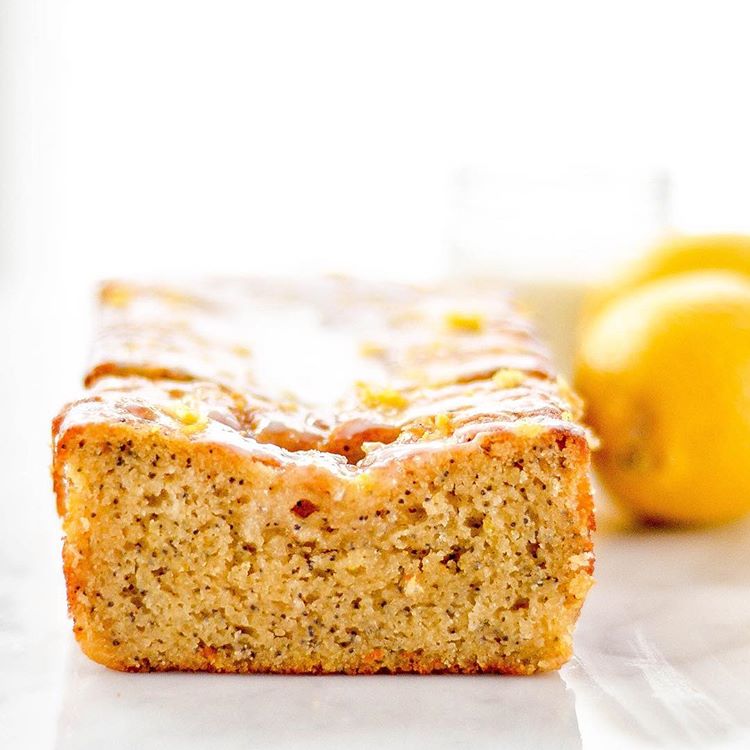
338	372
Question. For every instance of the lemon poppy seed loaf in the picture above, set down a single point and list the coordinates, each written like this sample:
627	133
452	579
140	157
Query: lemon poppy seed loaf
312	478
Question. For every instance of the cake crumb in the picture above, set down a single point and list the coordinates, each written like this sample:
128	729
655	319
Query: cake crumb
116	295
379	398
465	321
508	378
371	349
528	429
189	416
444	423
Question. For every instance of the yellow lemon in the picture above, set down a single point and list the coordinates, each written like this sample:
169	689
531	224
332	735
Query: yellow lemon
665	372
675	255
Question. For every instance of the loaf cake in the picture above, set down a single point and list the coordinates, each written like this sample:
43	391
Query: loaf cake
339	476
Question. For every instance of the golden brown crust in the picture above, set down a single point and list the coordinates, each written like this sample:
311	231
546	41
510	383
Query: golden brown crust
411	664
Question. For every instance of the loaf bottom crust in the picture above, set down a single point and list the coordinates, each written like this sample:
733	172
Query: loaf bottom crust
185	555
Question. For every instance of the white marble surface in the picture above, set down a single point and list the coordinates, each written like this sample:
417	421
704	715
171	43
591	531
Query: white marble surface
662	648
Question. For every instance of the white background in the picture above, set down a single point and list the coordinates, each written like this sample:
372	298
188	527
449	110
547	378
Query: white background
180	137
392	139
